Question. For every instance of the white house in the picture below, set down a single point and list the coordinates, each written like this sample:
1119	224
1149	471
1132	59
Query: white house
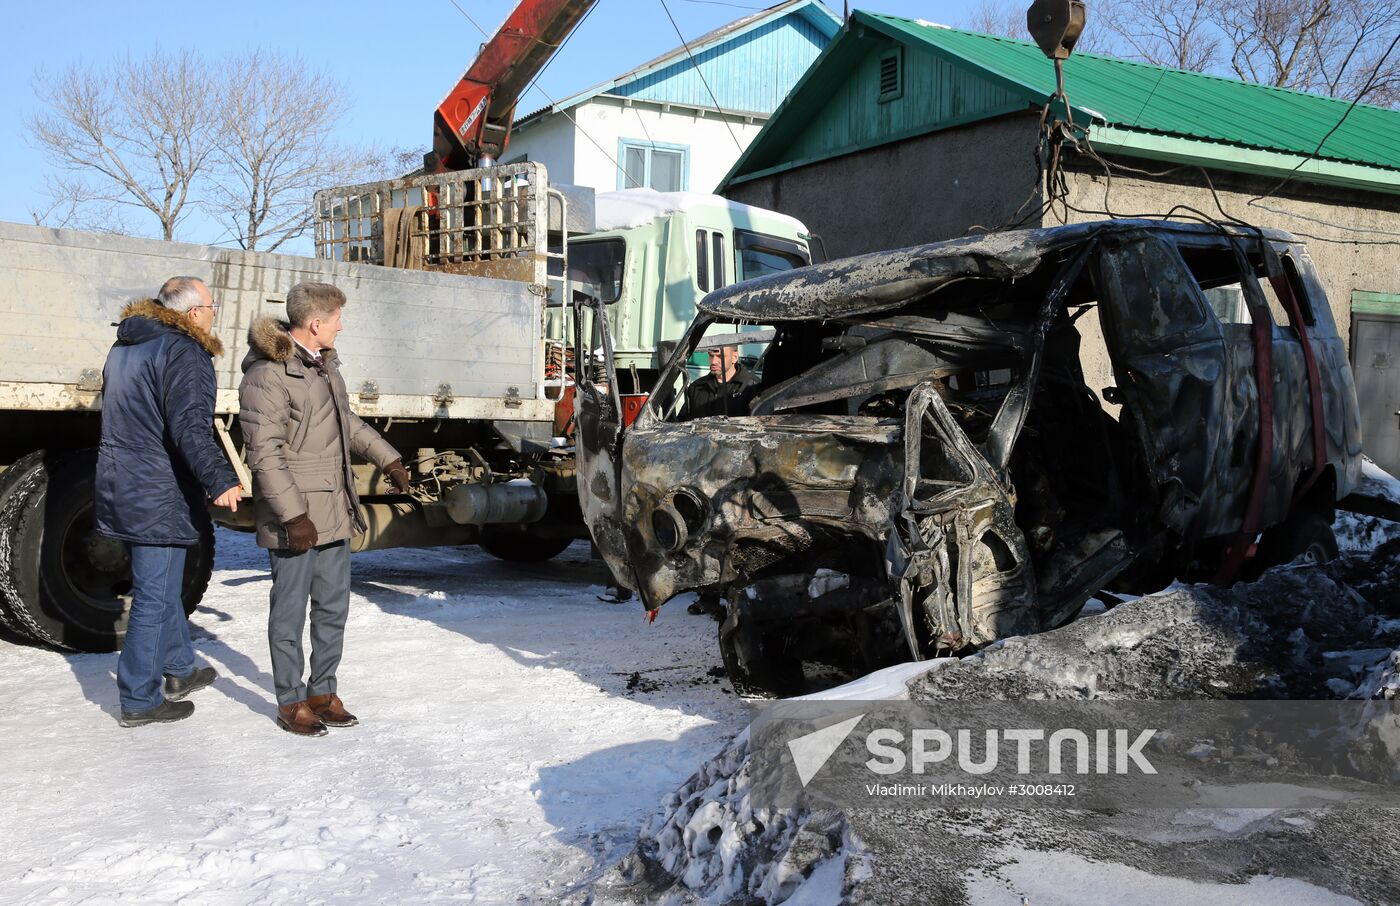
680	121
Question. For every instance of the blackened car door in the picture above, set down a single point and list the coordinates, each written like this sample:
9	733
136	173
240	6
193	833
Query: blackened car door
598	439
1169	360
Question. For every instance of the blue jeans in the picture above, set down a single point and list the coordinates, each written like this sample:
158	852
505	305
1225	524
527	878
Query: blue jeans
157	632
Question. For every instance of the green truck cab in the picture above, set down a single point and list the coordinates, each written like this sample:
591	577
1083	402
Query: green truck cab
654	255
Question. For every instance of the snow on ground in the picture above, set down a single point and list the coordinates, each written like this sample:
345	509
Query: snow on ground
507	752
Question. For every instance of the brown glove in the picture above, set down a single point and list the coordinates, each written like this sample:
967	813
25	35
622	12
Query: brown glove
301	533
398	475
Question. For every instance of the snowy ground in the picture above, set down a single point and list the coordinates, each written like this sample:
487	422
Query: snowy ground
506	753
517	733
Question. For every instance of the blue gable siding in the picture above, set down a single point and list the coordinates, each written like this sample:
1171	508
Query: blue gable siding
752	73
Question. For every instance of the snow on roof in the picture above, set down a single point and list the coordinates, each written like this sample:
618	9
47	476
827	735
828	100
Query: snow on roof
630	208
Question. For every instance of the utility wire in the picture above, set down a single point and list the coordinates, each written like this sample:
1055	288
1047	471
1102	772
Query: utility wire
1365	89
703	80
470	19
723	3
552	102
1050	175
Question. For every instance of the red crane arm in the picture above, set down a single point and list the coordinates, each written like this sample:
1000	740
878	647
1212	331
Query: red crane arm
473	122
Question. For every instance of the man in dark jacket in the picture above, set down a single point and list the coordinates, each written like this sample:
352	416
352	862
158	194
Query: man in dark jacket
300	434
726	390
157	467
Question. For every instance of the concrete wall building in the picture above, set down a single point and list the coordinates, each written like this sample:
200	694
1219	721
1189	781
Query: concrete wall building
680	121
905	132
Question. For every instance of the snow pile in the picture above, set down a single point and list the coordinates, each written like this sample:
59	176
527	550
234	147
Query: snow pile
1301	631
708	844
1286	636
629	208
1361	534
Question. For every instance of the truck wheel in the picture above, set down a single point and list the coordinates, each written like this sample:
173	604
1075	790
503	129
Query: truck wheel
522	547
67	585
8	479
1305	533
756	665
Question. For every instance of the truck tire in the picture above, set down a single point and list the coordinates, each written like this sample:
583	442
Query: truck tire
65	583
522	547
1305	533
8	479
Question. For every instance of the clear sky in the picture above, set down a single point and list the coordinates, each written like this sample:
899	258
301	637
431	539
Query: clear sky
396	59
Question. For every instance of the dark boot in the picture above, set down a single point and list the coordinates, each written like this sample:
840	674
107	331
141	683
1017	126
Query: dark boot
708	602
178	688
331	710
297	718
163	713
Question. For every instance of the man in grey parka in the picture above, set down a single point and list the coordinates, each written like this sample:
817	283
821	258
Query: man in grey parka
300	433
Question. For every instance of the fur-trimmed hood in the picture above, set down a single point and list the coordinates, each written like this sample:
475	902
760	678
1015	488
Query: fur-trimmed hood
270	338
152	310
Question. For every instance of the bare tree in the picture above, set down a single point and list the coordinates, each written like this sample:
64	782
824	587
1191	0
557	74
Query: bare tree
135	134
1331	47
1007	18
997	17
277	147
1175	33
1270	40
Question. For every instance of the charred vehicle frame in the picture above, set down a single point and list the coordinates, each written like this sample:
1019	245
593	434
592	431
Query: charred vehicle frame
924	468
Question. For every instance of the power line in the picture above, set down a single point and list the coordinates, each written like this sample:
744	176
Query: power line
1365	89
470	19
703	80
723	3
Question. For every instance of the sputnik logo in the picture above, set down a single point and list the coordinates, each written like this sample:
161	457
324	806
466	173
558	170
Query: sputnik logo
811	752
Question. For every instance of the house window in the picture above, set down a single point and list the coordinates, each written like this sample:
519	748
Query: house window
891	76
665	168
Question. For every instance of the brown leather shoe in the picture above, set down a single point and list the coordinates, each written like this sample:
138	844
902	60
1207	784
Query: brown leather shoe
331	710
297	718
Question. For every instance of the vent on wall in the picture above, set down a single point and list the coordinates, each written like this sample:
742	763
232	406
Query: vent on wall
891	76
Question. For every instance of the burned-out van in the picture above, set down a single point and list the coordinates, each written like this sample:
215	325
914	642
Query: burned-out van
920	466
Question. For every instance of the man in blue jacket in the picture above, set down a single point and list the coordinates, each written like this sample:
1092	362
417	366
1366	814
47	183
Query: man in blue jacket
156	469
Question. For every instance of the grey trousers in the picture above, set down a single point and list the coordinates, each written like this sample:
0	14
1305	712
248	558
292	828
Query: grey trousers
322	576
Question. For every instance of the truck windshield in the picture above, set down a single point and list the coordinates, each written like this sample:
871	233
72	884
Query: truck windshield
761	254
737	349
596	265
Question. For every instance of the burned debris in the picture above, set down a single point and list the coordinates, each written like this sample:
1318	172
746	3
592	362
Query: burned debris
924	466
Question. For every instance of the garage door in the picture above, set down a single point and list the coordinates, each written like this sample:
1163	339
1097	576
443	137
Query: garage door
1375	359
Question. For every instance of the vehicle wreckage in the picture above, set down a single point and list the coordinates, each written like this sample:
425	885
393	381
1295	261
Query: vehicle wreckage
922	467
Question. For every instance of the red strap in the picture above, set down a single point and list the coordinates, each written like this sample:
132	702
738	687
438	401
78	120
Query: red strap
1284	289
1262	334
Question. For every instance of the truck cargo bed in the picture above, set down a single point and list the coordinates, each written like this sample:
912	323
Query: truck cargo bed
417	344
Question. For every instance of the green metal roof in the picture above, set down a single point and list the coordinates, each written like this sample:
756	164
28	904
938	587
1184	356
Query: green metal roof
1174	102
1118	96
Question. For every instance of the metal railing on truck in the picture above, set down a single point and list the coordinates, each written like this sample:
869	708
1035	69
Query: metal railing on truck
491	222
